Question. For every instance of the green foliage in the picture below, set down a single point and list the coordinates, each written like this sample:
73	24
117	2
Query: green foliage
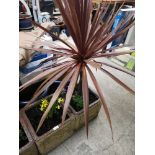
78	100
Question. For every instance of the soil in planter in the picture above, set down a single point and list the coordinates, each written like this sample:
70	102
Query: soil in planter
27	93
34	114
23	140
77	100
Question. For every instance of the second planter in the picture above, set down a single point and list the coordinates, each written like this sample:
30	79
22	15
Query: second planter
94	108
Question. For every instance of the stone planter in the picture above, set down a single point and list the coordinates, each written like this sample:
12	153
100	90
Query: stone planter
30	148
94	108
54	137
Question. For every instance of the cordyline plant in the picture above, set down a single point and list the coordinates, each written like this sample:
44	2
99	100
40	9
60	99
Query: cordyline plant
90	37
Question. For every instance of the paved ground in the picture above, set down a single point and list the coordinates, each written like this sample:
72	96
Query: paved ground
122	109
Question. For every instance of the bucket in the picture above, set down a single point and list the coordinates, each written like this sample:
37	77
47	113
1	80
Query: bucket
25	22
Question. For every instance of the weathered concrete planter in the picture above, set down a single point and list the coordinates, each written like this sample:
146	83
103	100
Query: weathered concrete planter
53	137
30	148
93	113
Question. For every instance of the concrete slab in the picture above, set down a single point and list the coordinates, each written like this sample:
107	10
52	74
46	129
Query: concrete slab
122	109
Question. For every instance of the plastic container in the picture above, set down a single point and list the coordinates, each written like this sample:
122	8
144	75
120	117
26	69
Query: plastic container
25	22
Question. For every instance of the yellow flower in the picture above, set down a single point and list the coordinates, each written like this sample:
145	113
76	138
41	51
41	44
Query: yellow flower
41	108
44	104
61	100
58	107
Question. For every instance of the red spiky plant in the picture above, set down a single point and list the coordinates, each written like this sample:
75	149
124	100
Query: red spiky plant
90	38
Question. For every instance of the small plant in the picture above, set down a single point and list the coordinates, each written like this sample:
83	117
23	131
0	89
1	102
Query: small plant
90	39
54	110
77	100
